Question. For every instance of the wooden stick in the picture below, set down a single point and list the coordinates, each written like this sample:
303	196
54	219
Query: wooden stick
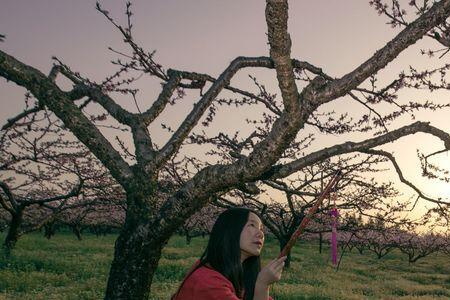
311	212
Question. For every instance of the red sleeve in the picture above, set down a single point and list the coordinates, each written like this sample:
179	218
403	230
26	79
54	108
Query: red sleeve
206	284
215	287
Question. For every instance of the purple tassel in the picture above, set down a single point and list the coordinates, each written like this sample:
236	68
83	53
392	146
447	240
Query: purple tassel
334	215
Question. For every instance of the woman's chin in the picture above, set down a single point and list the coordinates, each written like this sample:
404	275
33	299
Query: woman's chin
256	252
253	252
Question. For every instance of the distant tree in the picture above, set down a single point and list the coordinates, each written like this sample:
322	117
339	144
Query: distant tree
43	173
419	246
149	224
446	248
378	241
98	215
200	224
33	172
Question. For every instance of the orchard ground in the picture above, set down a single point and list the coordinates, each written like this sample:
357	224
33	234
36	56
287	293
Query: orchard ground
65	268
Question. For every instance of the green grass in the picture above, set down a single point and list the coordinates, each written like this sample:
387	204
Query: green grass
65	268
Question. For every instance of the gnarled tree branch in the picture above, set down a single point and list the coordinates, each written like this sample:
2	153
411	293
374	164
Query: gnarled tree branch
436	15
348	147
57	101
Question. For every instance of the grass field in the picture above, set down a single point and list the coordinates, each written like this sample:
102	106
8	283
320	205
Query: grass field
65	268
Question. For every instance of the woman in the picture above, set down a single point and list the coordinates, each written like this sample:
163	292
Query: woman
230	267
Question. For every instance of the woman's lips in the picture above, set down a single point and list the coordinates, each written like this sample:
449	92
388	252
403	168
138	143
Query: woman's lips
259	243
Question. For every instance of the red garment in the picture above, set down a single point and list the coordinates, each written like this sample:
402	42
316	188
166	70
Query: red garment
207	284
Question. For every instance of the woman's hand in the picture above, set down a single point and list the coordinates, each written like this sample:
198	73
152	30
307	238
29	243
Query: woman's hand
271	272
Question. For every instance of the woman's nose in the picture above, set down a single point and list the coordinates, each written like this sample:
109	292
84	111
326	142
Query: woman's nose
260	234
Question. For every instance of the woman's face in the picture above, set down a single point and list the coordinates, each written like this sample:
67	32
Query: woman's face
252	237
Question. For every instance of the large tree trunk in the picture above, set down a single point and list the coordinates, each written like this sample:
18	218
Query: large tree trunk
13	231
137	253
137	249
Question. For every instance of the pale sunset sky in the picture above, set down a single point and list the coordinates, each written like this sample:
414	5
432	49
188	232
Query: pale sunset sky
205	36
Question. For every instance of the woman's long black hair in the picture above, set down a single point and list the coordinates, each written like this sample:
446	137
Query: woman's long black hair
223	253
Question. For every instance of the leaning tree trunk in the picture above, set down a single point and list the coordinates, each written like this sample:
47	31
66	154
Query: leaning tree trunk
137	253
13	232
138	247
188	238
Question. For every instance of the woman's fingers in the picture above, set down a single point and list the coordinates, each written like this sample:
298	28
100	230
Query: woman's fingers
280	266
272	271
280	261
272	262
277	264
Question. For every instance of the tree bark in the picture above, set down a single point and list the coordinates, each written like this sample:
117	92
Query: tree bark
49	230
137	253
77	231
13	232
188	237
